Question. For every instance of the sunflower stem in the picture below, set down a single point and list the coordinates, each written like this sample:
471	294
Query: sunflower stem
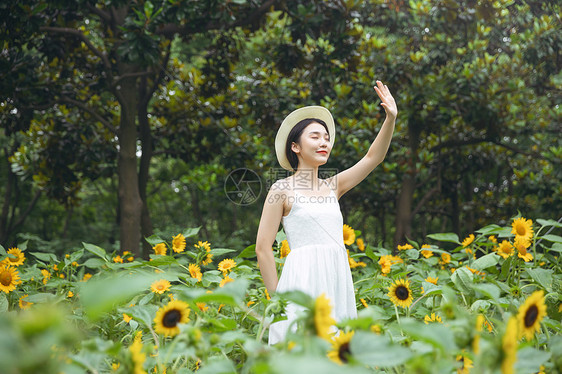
397	316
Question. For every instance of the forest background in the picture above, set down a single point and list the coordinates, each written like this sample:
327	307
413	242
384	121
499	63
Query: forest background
124	123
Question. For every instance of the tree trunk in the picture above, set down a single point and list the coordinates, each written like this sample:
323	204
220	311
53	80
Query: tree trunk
406	196
4	223
129	197
146	144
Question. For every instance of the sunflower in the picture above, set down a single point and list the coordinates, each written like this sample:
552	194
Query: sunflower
445	258
226	265
385	264
160	286
354	264
9	278
364	303
479	326
85	277
493	239
24	304
348	235
404	247
178	243
195	272
225	280
468	240
531	314
505	249
426	253
509	346
522	227
323	320
18	260
340	348
433	318
116	259
168	317
160	249
431	280
127	318
521	243
360	244
285	250
202	306
400	293
137	355
209	256
466	364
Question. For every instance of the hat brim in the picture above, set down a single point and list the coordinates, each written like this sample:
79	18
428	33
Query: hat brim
291	120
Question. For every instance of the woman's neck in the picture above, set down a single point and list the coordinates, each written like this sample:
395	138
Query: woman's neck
307	178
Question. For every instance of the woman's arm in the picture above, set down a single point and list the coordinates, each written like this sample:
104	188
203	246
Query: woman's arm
351	177
269	225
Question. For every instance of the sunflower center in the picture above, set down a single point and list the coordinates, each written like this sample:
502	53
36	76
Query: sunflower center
344	352
6	278
531	316
520	230
171	318
402	293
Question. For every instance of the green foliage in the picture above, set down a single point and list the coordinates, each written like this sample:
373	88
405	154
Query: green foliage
458	315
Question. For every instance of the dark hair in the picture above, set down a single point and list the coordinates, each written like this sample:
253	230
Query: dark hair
295	135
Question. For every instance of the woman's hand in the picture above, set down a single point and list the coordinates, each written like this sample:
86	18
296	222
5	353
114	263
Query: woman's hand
387	101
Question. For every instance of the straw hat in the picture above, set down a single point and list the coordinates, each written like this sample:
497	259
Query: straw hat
291	120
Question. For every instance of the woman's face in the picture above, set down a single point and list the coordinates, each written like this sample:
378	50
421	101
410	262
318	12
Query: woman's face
315	145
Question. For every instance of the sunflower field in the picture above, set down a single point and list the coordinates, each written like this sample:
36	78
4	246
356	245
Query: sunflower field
488	303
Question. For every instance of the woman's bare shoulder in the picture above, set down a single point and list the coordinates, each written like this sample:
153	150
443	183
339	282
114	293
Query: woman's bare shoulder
282	186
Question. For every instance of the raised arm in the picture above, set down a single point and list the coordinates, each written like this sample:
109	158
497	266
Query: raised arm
351	177
269	224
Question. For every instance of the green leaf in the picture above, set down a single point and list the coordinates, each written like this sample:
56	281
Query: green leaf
462	278
490	229
104	294
299	298
552	238
40	298
154	239
377	350
308	364
46	257
224	324
529	360
490	290
94	263
221	251
438	335
100	252
556	247
548	222
542	277
486	261
4	303
159	260
191	232
219	298
248	252
445	237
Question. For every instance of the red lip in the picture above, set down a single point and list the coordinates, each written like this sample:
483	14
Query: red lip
326	152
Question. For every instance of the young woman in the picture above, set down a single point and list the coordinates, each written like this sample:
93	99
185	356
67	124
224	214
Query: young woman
309	210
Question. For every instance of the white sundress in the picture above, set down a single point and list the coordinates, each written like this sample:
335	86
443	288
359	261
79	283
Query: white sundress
317	263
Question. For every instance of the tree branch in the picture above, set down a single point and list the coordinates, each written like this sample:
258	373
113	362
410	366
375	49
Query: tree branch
95	114
81	36
27	210
103	15
171	29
